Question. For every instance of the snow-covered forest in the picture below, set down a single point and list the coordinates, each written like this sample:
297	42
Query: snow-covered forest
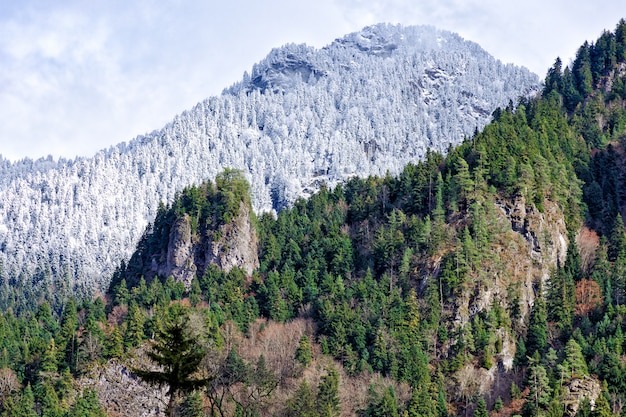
366	104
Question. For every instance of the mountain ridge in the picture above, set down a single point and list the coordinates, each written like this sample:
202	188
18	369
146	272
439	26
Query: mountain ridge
454	287
67	225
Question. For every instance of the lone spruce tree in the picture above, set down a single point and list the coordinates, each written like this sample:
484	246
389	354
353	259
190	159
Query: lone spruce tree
178	355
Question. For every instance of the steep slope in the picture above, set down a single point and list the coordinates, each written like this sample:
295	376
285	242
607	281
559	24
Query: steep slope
366	104
458	280
207	225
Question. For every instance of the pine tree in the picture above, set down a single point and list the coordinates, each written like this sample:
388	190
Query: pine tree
617	240
135	325
24	406
303	351
114	344
179	354
67	340
537	336
195	292
602	407
463	181
387	406
49	359
539	384
421	404
584	409
302	404
121	292
49	400
574	363
192	406
561	298
481	408
87	405
327	401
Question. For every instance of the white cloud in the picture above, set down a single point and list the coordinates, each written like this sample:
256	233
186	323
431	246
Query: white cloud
79	76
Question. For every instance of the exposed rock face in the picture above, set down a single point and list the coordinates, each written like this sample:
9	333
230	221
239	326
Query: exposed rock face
121	393
535	244
237	246
180	261
577	390
532	243
545	237
189	254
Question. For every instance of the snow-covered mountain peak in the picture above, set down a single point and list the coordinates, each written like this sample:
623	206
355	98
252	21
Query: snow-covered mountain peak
366	104
283	68
379	40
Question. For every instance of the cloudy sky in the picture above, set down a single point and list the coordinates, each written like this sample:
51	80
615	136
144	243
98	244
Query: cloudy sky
77	76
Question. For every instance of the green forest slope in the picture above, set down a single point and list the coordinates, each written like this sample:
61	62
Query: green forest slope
488	281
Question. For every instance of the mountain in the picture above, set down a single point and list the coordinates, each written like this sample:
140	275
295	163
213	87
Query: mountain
366	104
487	281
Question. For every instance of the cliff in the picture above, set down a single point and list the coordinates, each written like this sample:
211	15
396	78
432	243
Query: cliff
208	225
188	254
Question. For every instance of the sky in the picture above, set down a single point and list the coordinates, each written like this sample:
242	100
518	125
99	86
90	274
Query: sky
77	76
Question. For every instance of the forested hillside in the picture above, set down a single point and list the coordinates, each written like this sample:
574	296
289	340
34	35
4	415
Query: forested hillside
489	281
367	103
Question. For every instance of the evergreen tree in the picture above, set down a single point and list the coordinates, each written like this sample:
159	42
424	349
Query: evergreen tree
537	336
192	406
179	354
584	408
327	401
68	343
386	406
576	364
24	406
114	344
302	404
481	408
602	407
49	400
50	358
121	292
426	401
135	325
617	240
303	351
602	271
540	390
561	298
87	405
195	292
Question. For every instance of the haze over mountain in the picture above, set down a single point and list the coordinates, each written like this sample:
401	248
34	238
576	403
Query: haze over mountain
367	104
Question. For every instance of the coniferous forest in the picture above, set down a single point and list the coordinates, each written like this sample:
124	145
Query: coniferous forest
487	281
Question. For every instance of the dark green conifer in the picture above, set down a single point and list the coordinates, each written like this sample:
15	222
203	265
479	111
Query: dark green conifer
327	401
178	354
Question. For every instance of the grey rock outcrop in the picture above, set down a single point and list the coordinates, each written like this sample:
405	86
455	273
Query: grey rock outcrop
237	245
577	390
122	393
545	238
180	262
190	253
533	243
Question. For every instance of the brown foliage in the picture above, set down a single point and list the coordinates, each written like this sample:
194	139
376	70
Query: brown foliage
277	342
117	315
588	296
8	384
587	241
